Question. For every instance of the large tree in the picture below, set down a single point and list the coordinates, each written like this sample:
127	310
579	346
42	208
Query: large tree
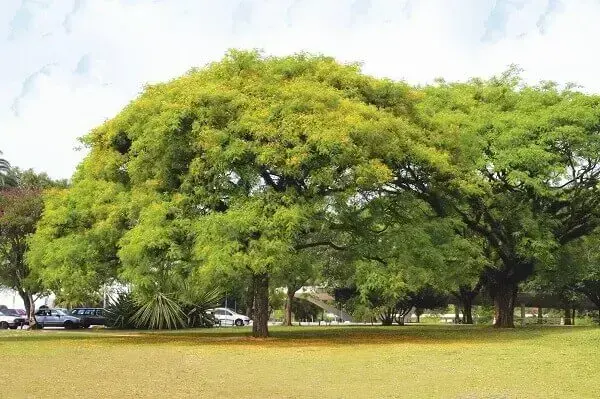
519	165
221	171
21	208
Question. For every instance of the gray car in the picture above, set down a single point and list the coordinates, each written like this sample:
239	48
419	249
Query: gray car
56	318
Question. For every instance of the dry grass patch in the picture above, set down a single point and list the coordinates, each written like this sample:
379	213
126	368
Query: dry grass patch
304	362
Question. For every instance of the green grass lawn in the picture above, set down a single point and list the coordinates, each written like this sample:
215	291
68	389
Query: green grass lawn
304	362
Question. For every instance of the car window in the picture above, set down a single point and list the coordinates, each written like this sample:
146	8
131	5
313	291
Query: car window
99	312
75	311
88	312
228	313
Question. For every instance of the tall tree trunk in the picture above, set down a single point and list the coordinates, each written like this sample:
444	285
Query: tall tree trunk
540	319
504	304
467	304
29	304
456	314
260	327
288	306
568	320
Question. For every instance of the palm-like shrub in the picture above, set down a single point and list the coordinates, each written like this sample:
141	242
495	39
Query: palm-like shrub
195	306
120	311
6	177
159	311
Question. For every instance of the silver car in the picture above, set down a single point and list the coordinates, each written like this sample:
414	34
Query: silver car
56	318
227	316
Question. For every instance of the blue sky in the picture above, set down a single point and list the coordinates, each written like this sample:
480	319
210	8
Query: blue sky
68	65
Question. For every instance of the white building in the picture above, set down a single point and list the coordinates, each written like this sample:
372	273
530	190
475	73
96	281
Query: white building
12	300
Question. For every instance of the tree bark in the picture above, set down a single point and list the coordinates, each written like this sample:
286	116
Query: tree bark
260	327
456	314
467	308
288	307
568	320
503	286
29	304
540	315
466	295
402	313
504	304
418	314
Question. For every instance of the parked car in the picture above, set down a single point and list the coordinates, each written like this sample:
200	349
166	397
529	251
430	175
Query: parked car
12	322
89	316
56	318
18	313
227	316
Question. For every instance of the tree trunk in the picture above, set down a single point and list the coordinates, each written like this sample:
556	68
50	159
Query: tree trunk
540	315
467	308
387	317
288	307
260	327
402	313
568	320
29	304
456	314
466	295
504	304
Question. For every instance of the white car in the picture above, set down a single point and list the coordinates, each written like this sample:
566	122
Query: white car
228	317
12	322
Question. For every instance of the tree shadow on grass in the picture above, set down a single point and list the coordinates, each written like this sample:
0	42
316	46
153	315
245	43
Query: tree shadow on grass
304	336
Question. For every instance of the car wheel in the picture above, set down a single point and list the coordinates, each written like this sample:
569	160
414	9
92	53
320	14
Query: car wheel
239	322
68	325
3	325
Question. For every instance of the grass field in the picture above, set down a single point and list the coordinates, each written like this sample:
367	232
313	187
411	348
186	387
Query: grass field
304	362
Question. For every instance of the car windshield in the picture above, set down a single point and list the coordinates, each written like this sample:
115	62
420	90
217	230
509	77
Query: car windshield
61	312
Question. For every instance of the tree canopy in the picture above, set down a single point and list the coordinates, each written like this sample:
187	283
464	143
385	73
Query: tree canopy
253	164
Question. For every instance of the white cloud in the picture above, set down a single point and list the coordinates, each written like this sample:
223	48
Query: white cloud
104	51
